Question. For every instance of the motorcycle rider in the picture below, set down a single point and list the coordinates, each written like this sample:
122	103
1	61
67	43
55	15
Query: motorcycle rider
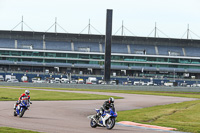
23	96
106	105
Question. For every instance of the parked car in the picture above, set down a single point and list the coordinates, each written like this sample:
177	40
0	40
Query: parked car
9	77
113	82
40	81
64	80
24	78
1	78
91	80
13	80
138	83
100	81
34	80
169	84
195	85
73	82
57	80
80	81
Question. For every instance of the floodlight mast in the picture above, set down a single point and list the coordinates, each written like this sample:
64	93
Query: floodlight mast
188	31
108	41
22	24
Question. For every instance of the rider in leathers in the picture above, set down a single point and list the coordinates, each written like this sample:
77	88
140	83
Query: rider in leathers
23	96
106	105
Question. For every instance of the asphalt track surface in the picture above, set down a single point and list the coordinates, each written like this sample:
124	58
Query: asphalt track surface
71	116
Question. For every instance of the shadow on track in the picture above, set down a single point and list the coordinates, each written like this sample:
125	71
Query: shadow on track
39	118
106	130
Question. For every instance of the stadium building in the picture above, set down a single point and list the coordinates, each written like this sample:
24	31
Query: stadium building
84	54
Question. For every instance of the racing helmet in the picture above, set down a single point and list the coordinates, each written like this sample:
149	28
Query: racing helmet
111	100
27	92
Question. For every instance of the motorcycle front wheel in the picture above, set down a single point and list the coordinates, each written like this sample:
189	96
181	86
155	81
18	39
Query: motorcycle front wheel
15	113
22	112
110	123
93	124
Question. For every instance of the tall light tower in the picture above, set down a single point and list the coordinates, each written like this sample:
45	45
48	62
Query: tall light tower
108	42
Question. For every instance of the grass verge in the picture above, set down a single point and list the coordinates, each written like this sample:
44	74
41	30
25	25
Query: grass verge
183	116
7	94
14	130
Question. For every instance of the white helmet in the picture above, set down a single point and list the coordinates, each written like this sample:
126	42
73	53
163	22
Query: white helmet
27	92
111	100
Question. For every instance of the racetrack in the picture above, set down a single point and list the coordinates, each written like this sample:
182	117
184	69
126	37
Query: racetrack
71	116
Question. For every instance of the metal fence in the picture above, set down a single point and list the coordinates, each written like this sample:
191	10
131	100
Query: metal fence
110	87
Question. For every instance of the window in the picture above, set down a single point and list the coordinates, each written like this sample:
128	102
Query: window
173	60
27	53
15	53
71	55
60	55
50	54
95	57
151	59
84	56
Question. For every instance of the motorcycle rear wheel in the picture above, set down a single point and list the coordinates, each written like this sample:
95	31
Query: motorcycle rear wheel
110	123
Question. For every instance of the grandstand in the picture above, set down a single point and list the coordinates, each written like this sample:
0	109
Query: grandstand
84	54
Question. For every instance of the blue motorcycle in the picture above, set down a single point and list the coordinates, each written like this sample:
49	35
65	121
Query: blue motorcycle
107	119
22	107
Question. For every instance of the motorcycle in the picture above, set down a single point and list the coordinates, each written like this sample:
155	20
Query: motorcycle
22	107
107	119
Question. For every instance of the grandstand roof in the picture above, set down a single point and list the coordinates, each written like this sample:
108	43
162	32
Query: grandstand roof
97	38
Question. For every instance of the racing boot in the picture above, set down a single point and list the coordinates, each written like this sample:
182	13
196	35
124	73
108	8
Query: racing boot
15	106
96	117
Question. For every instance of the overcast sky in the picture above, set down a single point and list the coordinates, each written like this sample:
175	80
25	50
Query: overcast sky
138	16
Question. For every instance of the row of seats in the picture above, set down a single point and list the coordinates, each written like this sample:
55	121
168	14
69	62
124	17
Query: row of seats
159	49
7	43
52	45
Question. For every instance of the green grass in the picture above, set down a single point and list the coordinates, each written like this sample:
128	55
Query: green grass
7	94
14	130
183	116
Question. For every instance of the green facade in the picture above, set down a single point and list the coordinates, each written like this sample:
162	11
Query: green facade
45	56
